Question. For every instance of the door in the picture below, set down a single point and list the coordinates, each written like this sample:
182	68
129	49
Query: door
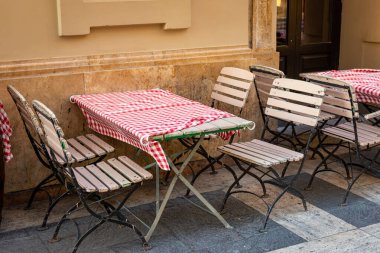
308	35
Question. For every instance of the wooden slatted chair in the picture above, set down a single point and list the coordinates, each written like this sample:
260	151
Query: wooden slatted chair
82	148
232	88
264	77
291	101
340	100
93	183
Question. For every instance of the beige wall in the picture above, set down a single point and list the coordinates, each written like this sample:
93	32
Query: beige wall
28	30
360	37
50	68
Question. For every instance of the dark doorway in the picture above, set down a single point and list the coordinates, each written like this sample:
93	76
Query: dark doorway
308	35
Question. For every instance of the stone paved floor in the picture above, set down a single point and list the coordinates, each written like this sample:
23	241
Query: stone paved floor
325	227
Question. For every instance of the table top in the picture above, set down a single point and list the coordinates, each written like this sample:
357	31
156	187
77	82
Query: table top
6	132
366	82
142	118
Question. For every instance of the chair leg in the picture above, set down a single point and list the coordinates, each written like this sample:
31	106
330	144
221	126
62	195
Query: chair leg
87	234
316	170
51	207
55	237
270	209
37	189
146	245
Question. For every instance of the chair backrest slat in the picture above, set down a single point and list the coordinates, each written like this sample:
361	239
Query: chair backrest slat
232	86
295	101
340	96
27	114
53	136
237	73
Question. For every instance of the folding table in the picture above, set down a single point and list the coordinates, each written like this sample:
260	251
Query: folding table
366	83
145	118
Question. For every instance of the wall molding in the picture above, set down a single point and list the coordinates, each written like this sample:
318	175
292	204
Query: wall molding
80	64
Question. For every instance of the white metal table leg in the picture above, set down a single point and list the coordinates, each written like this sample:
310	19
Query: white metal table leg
171	187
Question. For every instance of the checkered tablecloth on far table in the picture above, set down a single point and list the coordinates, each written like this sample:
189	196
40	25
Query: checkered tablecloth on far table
366	82
135	116
6	132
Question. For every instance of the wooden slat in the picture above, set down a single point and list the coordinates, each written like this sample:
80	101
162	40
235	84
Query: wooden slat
277	148
287	116
293	107
337	102
83	182
243	156
325	116
259	150
104	145
136	168
234	82
349	136
105	179
230	91
236	72
115	175
26	117
298	85
362	134
260	154
47	123
55	144
274	152
91	145
336	110
124	170
336	93
227	100
259	70
75	154
373	129
263	85
92	179
253	154
296	97
80	148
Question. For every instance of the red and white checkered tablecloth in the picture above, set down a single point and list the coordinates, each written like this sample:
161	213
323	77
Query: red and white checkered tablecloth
6	132
135	116
366	82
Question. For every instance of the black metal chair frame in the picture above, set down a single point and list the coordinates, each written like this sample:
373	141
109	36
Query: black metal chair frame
349	176
88	200
42	154
275	178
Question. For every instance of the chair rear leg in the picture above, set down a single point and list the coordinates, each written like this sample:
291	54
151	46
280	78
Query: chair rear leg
37	189
146	245
87	234
55	237
51	207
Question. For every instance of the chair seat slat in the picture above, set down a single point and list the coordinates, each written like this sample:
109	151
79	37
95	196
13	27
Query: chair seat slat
112	173
81	149
104	145
136	168
104	178
260	154
91	145
83	182
92	179
244	157
125	171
